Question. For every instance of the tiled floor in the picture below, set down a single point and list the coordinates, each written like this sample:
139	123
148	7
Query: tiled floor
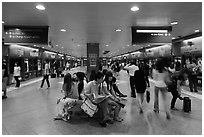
30	111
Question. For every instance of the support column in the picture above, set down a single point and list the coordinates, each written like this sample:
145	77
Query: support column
92	57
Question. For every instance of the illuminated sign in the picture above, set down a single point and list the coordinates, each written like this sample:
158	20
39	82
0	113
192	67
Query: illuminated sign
26	34
144	34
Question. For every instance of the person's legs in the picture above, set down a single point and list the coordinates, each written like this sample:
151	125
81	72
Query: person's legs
156	99
4	89
163	93
190	83
18	82
116	110
195	83
132	86
47	80
173	101
140	101
16	78
43	80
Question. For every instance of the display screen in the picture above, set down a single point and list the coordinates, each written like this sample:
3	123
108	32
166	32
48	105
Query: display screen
151	35
21	34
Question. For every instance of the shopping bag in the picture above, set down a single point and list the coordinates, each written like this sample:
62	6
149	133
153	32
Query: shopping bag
88	107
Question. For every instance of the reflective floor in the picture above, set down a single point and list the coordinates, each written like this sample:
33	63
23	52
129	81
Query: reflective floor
30	111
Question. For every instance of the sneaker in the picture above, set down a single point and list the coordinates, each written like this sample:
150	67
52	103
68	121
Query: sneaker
174	108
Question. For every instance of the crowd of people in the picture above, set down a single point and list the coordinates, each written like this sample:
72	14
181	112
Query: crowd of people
101	93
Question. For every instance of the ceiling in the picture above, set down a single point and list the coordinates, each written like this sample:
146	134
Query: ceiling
88	22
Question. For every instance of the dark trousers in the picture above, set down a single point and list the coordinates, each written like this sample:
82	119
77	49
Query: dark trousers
46	77
17	81
115	88
193	83
132	86
175	96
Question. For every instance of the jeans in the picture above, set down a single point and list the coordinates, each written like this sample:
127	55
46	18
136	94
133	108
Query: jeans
163	91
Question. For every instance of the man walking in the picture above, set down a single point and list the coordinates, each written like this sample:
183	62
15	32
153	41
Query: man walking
132	68
46	75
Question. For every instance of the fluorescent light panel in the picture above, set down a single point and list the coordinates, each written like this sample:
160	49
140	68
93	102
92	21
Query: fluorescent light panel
40	7
152	31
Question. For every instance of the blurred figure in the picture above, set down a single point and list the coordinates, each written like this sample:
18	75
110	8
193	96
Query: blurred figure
17	74
4	79
141	82
175	88
92	75
115	88
46	75
131	68
160	75
192	76
81	83
171	68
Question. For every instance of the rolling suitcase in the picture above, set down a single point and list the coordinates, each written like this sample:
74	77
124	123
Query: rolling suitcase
186	104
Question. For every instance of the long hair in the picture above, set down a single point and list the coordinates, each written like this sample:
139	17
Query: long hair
108	74
161	64
67	82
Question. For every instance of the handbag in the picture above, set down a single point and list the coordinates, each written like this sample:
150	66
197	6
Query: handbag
147	96
88	107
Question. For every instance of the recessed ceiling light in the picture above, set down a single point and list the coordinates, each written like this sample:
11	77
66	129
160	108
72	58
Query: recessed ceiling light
3	22
197	30
40	7
57	45
107	45
63	30
135	8
78	45
128	45
43	47
173	38
118	30
174	23
34	45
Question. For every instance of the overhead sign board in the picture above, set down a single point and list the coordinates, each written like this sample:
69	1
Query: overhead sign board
26	34
151	34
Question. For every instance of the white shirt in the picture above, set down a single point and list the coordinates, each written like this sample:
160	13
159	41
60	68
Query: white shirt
159	78
17	71
46	69
131	69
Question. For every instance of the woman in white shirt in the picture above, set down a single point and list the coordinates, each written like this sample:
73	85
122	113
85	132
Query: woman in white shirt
159	75
16	74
